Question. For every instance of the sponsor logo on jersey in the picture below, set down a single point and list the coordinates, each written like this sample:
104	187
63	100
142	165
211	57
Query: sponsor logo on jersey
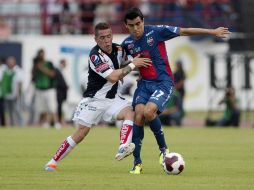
130	46
150	41
95	59
101	68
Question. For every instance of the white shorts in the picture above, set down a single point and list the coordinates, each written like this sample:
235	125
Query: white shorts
45	101
91	111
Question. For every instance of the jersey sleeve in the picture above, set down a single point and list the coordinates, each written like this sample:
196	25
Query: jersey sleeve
165	32
99	66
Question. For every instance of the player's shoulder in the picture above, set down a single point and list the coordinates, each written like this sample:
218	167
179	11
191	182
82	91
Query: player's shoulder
149	28
94	55
94	50
128	40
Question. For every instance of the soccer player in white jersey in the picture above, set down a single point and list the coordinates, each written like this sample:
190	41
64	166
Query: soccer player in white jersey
101	100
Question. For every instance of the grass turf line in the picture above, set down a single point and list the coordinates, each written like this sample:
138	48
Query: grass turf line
220	158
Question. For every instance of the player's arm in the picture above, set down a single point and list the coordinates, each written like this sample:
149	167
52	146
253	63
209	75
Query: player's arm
137	62
220	32
126	63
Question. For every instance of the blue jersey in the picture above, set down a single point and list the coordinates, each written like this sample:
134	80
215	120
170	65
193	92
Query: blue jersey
152	45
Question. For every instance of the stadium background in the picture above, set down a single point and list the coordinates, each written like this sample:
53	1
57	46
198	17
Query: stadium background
216	158
64	31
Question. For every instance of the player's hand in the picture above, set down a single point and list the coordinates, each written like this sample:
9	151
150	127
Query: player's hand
221	32
142	62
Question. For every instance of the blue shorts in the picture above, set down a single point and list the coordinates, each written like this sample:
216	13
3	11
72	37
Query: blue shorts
151	91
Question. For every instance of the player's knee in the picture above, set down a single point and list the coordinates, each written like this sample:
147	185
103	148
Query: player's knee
129	114
139	119
149	114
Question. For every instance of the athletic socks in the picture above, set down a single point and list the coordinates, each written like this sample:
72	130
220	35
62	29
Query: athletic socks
63	150
126	133
138	135
155	126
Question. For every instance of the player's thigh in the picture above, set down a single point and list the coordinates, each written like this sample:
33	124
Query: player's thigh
115	108
141	94
126	113
89	111
160	96
150	110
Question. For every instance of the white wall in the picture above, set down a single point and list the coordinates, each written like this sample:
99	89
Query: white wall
75	50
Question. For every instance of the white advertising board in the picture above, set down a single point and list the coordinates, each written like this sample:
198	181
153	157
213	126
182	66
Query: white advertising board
75	50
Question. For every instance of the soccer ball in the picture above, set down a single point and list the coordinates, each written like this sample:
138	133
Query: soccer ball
173	163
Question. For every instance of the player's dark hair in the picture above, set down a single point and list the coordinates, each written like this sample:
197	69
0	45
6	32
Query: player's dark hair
100	26
133	13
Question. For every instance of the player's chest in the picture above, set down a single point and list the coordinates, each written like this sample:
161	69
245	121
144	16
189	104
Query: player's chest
146	44
113	60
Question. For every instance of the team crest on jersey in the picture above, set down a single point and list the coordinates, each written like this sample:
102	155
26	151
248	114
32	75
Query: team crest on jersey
130	46
95	59
150	41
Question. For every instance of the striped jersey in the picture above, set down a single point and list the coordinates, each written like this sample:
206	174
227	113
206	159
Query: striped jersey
102	65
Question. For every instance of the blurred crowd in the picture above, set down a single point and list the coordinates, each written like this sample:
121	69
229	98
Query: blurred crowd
48	92
198	13
79	17
48	89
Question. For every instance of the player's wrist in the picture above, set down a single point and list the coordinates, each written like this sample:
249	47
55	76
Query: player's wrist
132	66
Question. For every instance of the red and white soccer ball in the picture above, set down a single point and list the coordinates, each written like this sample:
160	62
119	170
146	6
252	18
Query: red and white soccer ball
173	163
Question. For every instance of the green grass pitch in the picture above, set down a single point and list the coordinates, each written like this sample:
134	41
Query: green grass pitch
221	158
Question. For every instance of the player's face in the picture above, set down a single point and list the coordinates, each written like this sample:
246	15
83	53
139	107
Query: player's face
104	40
135	27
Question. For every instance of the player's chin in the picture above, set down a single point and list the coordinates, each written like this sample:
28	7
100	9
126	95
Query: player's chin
108	48
137	34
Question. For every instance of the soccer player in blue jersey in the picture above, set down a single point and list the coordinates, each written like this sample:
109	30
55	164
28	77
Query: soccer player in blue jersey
156	84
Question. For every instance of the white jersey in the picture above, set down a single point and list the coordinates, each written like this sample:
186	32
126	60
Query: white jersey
101	99
102	65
